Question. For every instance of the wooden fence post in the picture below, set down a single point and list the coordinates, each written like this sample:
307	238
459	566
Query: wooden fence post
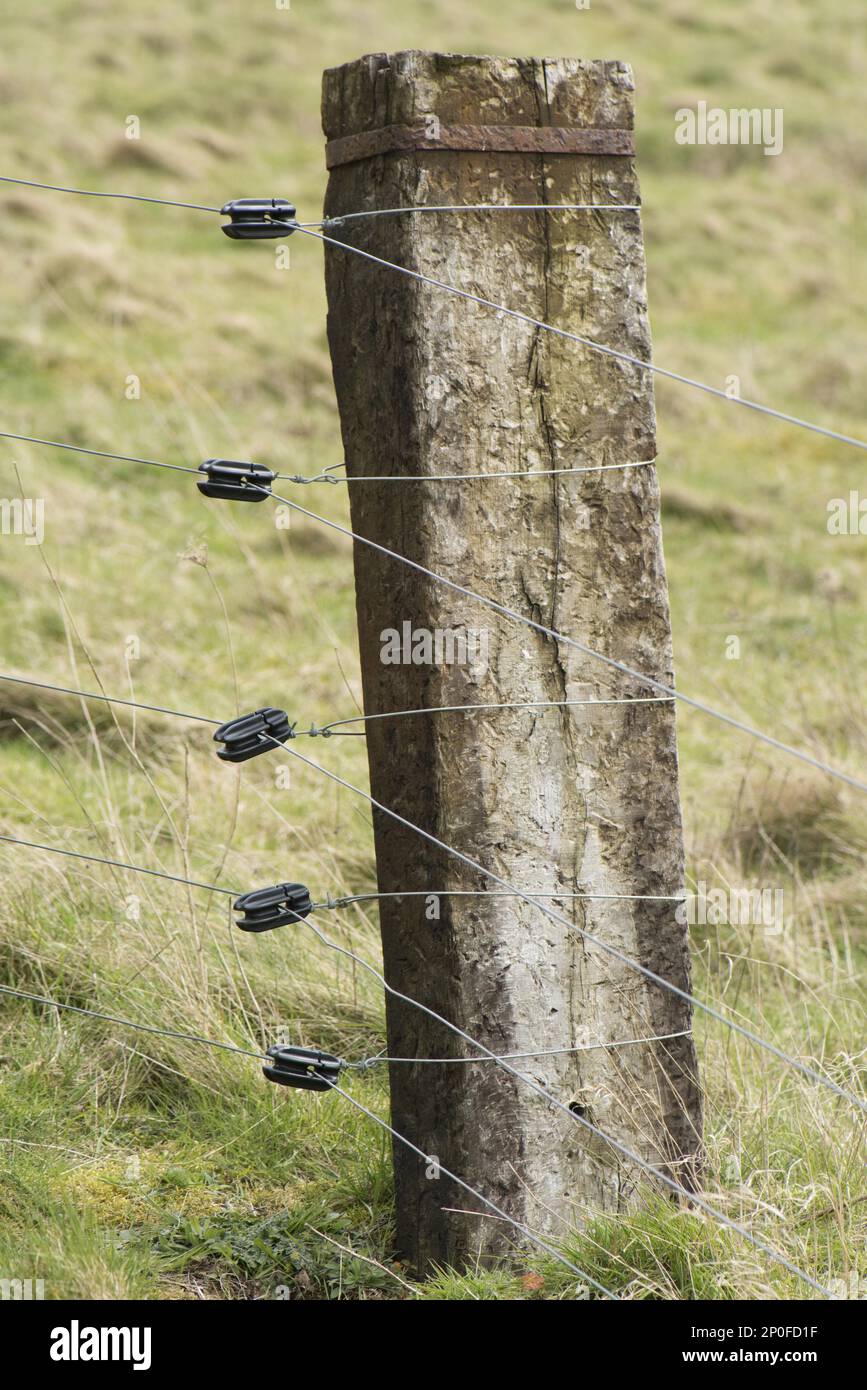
573	800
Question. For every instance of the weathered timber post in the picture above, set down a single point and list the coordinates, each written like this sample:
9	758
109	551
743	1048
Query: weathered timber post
579	799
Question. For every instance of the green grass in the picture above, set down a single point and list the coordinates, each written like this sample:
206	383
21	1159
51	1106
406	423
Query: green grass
150	1167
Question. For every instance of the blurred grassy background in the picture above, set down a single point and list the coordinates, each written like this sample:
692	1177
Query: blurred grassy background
132	1167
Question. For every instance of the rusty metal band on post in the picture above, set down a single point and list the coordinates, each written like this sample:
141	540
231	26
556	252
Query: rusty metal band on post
497	139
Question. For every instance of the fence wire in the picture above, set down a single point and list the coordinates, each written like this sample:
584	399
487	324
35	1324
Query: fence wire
667	693
263	1057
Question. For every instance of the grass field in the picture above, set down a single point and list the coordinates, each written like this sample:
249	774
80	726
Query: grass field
157	1168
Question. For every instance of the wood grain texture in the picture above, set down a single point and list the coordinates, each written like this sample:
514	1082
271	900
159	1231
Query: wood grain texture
581	799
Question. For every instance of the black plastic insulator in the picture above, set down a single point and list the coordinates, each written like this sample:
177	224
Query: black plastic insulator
242	482
252	219
252	734
266	908
303	1067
